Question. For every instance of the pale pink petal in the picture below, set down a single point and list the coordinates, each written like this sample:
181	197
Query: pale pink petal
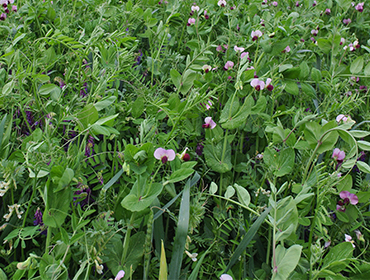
344	194
170	154
353	199
225	277
159	153
120	275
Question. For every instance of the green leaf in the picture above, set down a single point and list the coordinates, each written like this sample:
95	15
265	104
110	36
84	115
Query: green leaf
286	261
238	115
50	89
316	75
324	44
66	178
305	71
213	156
64	235
363	166
291	87
230	191
187	81
308	89
87	116
359	133
180	175
104	103
367	70
175	77
243	195
213	188
340	253
363	145
141	196
357	65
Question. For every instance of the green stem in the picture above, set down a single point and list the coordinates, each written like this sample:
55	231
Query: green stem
126	242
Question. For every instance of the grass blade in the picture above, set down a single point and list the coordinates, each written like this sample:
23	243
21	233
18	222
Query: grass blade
163	264
181	231
247	239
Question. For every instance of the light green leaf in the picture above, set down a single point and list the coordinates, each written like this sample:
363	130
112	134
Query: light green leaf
243	195
357	65
230	191
286	261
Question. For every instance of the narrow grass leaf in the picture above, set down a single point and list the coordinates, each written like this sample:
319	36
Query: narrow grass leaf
163	264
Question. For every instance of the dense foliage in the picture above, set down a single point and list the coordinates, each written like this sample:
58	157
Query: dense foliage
184	140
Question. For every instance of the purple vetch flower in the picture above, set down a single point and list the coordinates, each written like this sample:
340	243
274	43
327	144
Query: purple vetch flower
346	199
363	88
38	218
89	146
199	149
314	32
205	15
286	50
83	195
206	68
327	11
268	84
3	16
209	123
274	3
221	3
194	8
314	3
164	155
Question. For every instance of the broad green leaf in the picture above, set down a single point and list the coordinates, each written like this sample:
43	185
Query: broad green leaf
175	77
340	253
324	44
308	89
104	103
357	65
305	71
286	261
213	156
363	166
137	200
316	75
363	145
243	195
367	70
230	191
180	175
213	188
187	81
50	89
359	133
291	87
87	116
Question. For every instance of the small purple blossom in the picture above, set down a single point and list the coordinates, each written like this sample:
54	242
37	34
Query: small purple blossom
274	3
338	155
221	3
286	50
340	118
314	3
327	11
199	149
38	218
164	155
348	238
268	84
191	21
239	49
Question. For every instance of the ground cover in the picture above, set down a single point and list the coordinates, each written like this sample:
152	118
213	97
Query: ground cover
184	139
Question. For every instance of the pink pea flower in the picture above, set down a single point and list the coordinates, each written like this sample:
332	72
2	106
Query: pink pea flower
238	49
338	155
268	85
275	3
184	155
229	65
206	68
164	155
360	7
221	3
348	238
120	275
195	8
340	118
342	41
3	16
244	54
255	35
346	199
297	4
191	21
327	11
225	277
286	50
205	15
257	84
209	123
264	2
219	48
314	3
314	32
347	21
